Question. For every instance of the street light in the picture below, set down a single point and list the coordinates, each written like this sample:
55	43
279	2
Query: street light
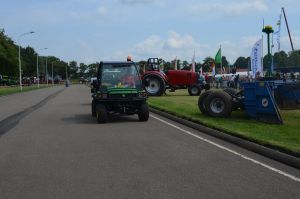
37	66
20	68
52	75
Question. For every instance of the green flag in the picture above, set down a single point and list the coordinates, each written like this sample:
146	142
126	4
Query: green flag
218	57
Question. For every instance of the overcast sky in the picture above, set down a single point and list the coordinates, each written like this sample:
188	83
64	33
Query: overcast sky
93	30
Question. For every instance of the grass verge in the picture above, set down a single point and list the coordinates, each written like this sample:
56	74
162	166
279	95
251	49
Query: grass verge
284	137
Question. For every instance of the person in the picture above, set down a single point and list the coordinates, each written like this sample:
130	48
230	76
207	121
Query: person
128	78
129	58
236	81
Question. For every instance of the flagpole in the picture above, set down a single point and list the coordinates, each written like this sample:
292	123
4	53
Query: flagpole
221	59
262	51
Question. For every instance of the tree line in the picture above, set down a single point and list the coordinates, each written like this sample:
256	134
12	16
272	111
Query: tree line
9	62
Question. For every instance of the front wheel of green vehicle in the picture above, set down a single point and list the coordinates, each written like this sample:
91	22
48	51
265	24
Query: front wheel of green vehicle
143	112
101	113
93	108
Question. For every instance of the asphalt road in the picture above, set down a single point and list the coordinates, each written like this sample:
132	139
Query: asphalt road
57	150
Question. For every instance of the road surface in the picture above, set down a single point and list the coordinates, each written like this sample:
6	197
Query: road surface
57	150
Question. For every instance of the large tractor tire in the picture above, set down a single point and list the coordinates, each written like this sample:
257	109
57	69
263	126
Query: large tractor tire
194	90
93	106
143	112
218	104
230	91
201	101
156	85
101	113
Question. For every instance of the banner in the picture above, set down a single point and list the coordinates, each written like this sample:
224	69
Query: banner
213	69
256	59
193	63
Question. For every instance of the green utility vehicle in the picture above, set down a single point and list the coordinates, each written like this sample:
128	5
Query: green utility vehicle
118	90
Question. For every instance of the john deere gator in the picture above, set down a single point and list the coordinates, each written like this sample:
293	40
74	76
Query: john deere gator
118	90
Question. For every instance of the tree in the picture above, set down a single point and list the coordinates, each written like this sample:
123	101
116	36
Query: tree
73	69
207	64
280	59
8	56
241	62
294	58
82	69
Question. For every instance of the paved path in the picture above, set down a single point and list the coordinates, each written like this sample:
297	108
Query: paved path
12	104
59	151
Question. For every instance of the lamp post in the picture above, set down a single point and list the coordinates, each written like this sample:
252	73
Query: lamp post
47	70
52	75
268	30
37	67
20	68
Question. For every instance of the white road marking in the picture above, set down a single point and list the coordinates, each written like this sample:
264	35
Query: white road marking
231	151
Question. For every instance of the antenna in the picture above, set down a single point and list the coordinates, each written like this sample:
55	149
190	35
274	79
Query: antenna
287	26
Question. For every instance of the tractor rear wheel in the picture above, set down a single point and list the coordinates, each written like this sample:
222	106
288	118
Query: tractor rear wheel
101	113
218	104
194	90
201	101
156	86
143	112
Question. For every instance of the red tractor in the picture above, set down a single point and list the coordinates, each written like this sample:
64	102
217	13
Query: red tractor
156	81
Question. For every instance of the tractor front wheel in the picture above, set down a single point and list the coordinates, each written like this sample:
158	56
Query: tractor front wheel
194	90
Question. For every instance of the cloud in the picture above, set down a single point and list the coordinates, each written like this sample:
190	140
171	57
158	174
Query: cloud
230	9
134	2
168	48
101	10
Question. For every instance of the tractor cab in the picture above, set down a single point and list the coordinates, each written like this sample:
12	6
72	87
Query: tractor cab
153	64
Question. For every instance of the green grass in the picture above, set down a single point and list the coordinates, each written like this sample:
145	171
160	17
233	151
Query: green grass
16	89
285	137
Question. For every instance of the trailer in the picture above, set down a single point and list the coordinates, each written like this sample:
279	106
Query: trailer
256	98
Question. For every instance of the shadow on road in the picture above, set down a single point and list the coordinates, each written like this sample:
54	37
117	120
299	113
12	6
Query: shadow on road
88	119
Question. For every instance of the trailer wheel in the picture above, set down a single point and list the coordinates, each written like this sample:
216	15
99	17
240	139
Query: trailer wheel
230	91
143	112
101	113
201	100
156	86
218	104
194	90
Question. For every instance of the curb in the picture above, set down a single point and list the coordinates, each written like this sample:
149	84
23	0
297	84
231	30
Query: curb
251	146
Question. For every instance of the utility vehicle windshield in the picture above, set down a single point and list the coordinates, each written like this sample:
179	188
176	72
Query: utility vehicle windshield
120	76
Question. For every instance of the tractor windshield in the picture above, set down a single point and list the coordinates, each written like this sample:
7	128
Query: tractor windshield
120	76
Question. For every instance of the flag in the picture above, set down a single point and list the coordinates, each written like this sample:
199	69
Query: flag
218	57
193	63
256	59
175	64
213	68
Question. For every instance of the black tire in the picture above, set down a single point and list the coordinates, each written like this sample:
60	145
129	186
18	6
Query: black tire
194	90
156	85
101	113
143	112
230	91
93	105
218	104
201	100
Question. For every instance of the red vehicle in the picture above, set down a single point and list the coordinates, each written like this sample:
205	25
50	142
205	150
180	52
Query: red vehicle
156	81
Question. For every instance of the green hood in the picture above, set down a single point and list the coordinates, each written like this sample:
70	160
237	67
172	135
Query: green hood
121	90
